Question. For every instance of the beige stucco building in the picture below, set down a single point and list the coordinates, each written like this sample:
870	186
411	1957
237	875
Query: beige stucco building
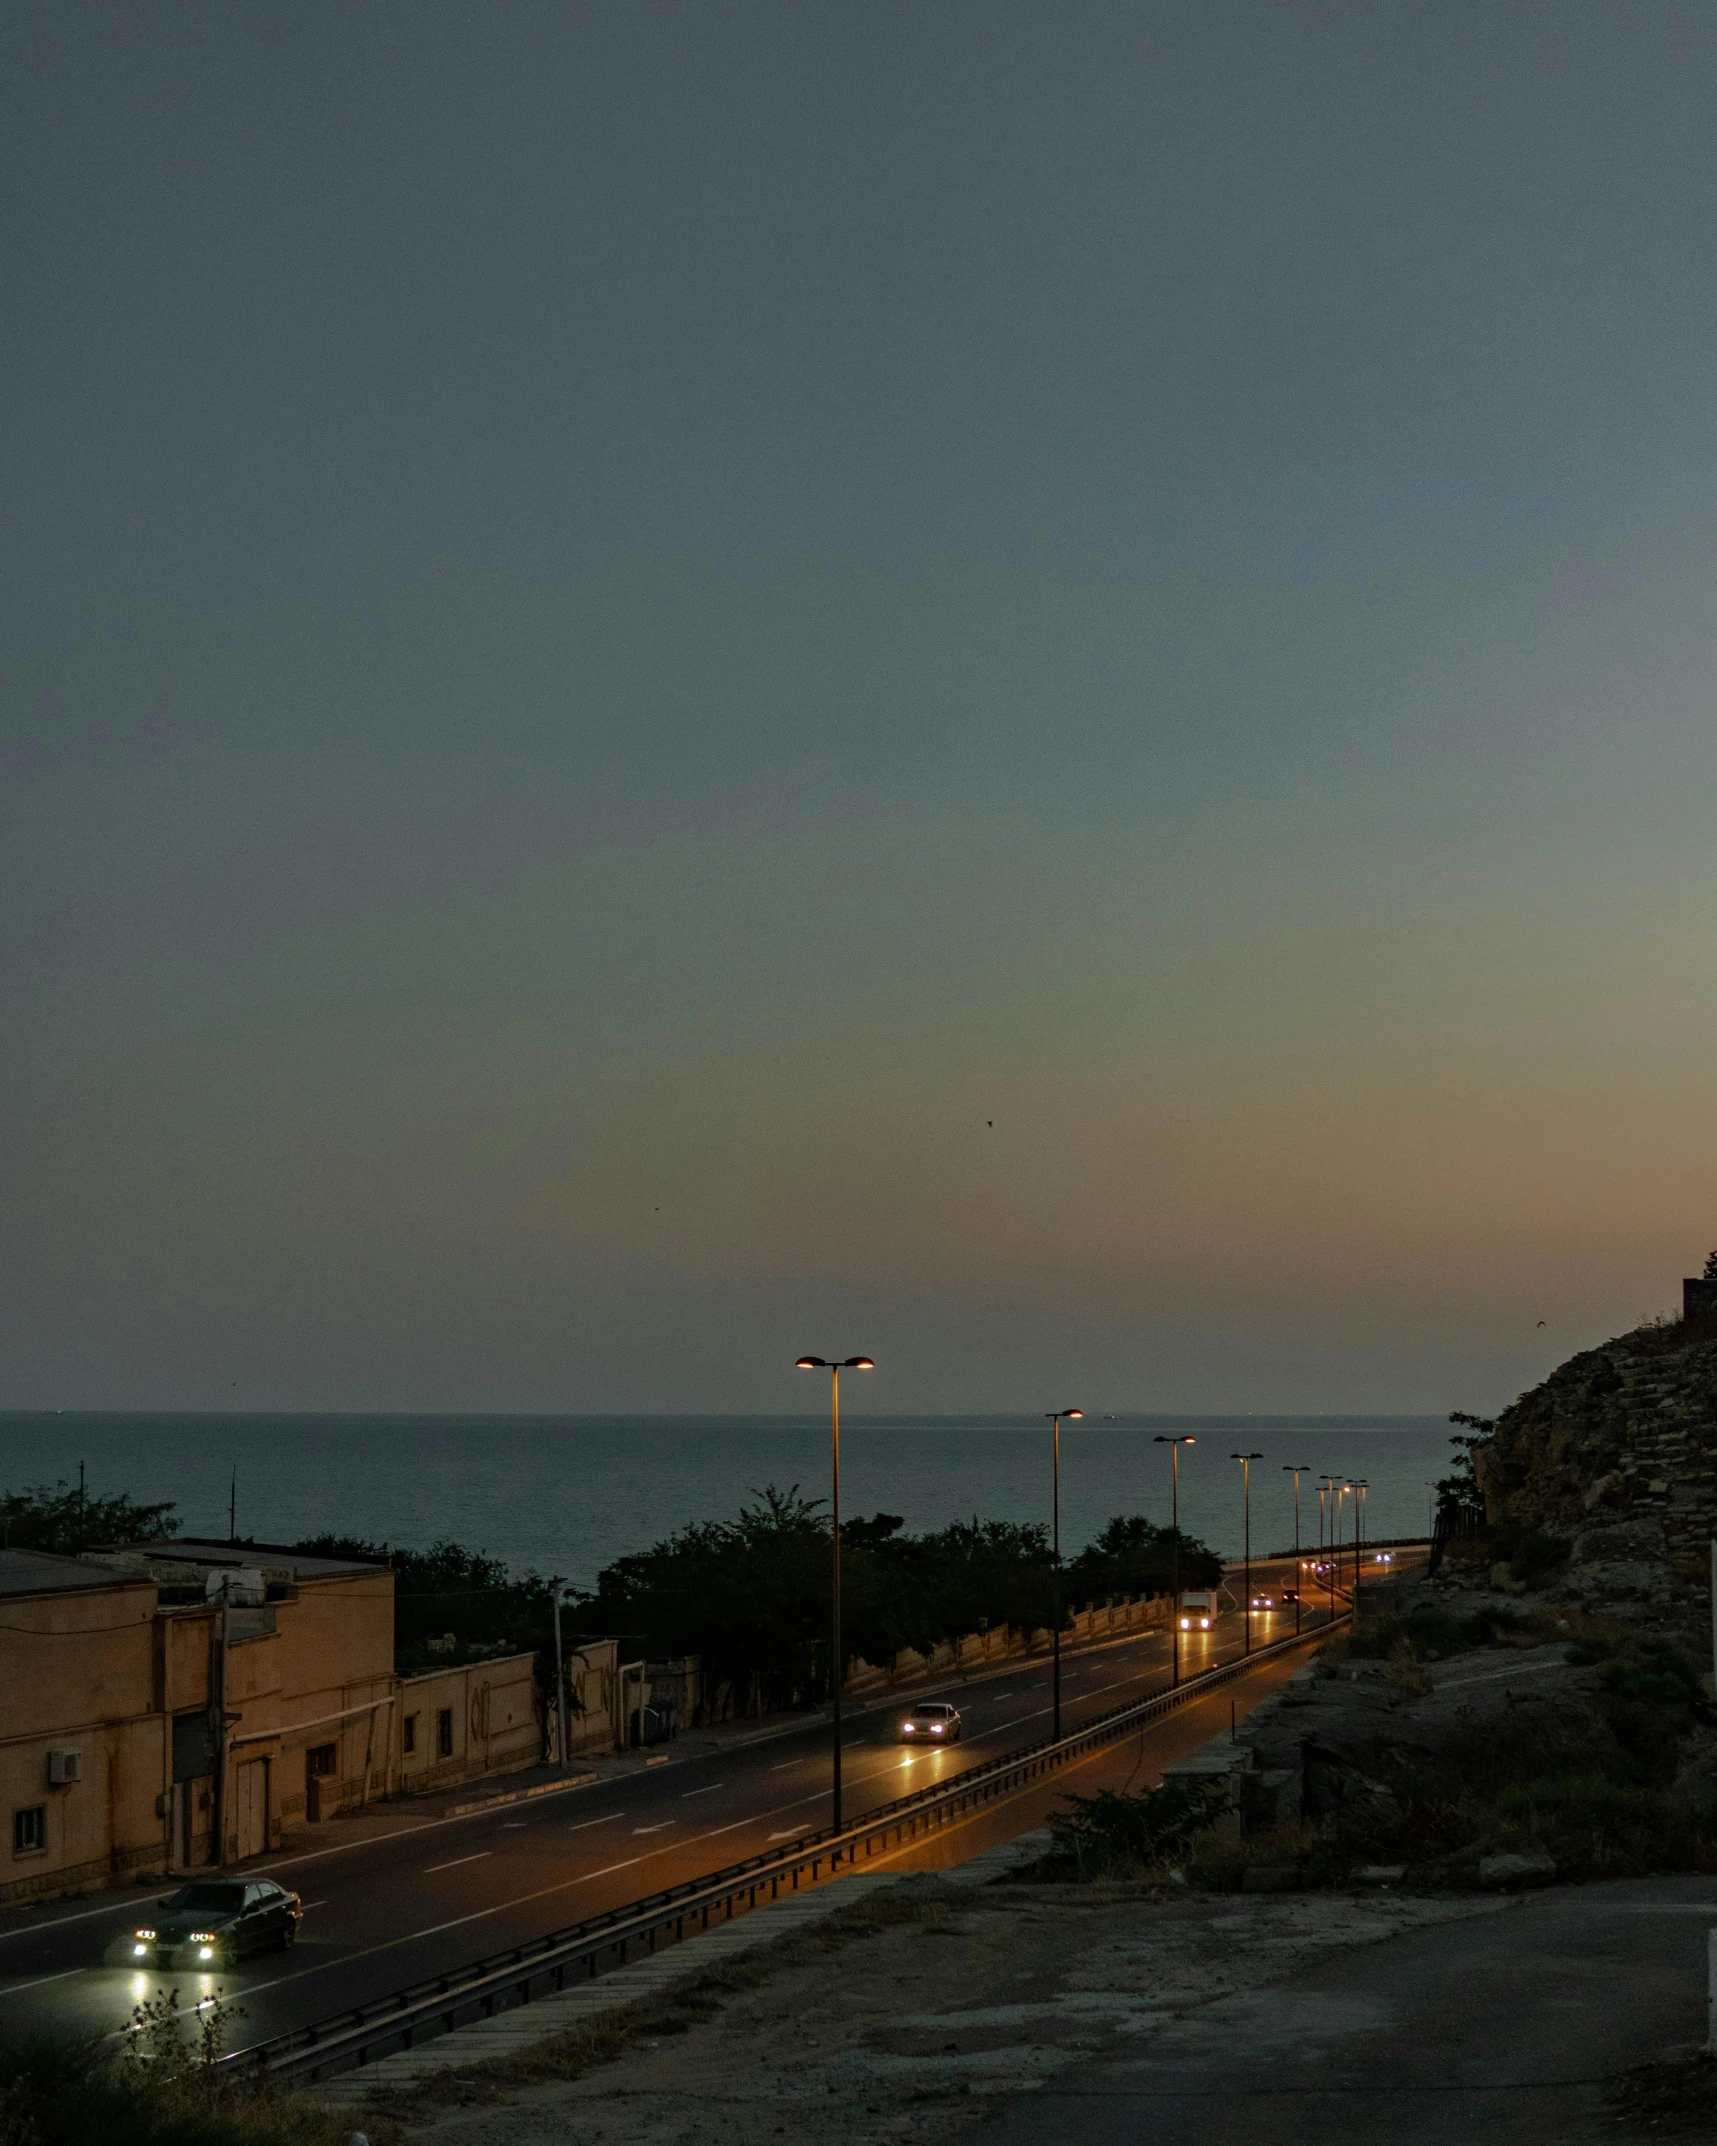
165	1706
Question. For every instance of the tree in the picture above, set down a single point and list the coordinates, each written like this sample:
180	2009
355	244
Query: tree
1458	1493
1134	1556
66	1519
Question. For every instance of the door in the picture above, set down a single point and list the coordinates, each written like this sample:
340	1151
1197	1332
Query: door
252	1800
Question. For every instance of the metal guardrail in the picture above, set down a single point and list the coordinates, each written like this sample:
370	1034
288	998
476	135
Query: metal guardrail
544	1965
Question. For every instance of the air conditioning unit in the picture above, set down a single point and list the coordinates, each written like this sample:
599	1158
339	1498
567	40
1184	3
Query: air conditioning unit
64	1767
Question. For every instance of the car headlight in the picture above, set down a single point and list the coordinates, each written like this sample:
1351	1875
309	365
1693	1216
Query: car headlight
906	1729
139	1950
202	1937
144	1933
935	1728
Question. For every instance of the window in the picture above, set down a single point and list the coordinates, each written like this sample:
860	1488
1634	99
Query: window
444	1733
30	1830
408	1735
320	1761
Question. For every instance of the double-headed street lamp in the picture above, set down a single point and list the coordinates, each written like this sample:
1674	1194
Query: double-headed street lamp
1338	1491
1360	1489
1073	1415
1296	1471
834	1367
1174	1445
1246	1460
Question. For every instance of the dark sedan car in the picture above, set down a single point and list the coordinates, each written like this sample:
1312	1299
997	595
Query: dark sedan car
213	1921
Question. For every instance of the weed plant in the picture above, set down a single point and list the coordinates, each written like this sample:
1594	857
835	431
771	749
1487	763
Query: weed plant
163	2089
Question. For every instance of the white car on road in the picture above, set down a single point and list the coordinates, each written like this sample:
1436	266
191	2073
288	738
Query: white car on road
932	1724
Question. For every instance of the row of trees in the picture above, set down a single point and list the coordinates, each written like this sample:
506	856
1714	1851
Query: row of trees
65	1518
750	1596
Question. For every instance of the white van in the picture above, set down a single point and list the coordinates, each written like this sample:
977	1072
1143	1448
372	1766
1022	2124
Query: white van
1197	1609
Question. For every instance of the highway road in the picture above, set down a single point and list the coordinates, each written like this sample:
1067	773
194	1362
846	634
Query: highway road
390	1909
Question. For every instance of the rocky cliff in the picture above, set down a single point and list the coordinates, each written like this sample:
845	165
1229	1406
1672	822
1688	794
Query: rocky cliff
1616	1453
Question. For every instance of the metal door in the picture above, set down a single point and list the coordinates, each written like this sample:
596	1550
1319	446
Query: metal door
252	1801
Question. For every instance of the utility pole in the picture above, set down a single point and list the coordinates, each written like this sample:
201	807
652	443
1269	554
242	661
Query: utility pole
221	1726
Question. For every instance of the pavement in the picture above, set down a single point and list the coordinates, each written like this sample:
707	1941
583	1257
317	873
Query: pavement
1504	2027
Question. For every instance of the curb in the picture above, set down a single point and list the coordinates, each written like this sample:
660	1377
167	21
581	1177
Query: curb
517	1795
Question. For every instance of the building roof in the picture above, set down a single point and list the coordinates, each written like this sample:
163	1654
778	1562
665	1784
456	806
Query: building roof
40	1572
210	1555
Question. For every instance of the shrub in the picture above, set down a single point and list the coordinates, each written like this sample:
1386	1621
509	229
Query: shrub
1112	1834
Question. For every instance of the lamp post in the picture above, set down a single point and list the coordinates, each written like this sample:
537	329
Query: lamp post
1073	1415
834	1367
554	1588
1246	1460
1174	1445
1299	1577
1360	1489
1330	1574
1341	1491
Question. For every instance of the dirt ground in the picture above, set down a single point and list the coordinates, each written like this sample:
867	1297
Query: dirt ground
905	2016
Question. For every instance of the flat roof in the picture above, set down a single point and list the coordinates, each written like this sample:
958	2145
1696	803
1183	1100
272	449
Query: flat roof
42	1572
222	1555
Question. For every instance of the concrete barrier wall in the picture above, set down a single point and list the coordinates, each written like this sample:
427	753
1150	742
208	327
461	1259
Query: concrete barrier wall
1003	1643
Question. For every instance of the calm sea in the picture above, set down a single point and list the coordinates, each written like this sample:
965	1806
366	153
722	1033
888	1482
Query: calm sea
569	1494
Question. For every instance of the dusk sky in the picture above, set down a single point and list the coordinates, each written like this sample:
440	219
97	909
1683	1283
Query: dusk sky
1029	687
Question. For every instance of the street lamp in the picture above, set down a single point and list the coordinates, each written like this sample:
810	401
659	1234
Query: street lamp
1338	1492
1296	1471
1360	1489
1073	1415
834	1367
1174	1445
1246	1460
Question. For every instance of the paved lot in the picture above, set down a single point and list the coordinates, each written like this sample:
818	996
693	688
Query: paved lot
1498	2028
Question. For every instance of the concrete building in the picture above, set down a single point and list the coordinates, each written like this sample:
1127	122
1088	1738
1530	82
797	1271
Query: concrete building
85	1750
167	1706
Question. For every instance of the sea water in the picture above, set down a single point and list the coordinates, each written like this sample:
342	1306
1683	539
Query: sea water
569	1494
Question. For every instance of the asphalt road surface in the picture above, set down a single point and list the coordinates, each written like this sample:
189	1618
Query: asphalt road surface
387	1910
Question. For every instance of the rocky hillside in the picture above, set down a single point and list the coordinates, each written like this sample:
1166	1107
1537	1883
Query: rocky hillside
1616	1455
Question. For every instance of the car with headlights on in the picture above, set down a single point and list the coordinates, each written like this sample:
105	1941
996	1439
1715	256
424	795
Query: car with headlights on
932	1724
213	1921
